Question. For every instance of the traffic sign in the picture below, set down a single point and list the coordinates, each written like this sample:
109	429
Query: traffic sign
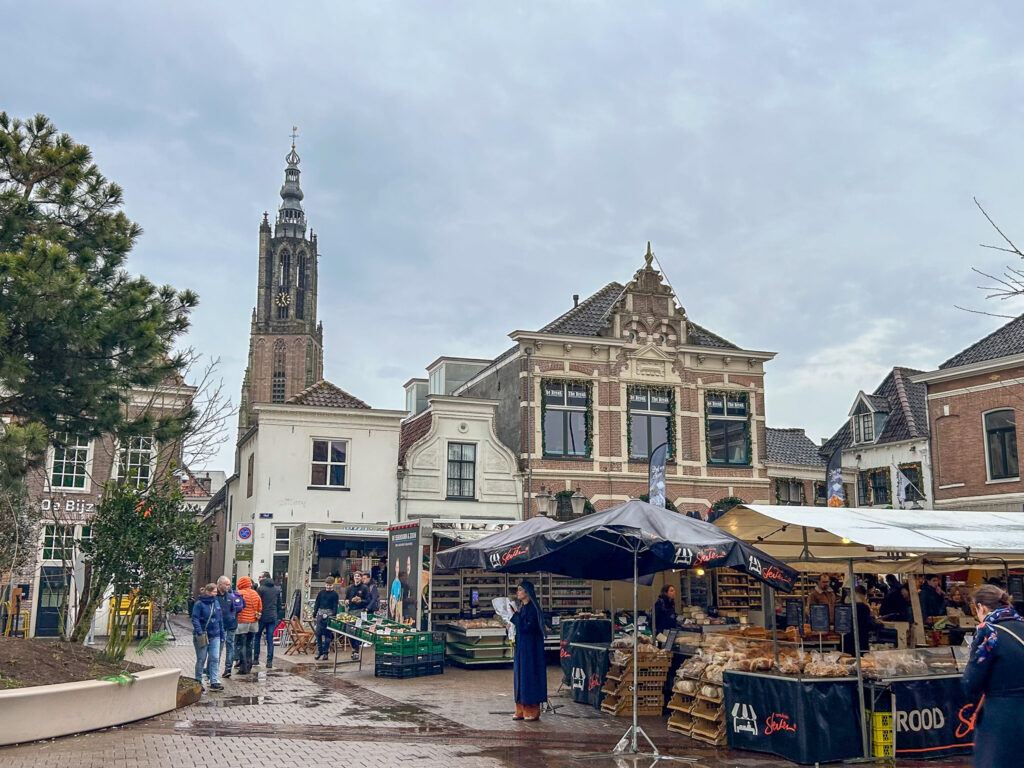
243	534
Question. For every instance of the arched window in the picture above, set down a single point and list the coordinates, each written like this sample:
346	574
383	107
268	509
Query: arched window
300	291
277	390
285	279
1001	444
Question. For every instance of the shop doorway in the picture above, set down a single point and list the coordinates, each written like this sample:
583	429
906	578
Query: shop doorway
52	603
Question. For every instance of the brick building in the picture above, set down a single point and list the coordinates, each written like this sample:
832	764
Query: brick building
973	400
885	431
796	468
584	400
68	487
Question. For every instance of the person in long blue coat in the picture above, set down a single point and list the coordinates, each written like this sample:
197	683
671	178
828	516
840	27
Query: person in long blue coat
529	668
996	670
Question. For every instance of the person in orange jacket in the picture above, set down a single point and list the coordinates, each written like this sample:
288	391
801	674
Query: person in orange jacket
248	624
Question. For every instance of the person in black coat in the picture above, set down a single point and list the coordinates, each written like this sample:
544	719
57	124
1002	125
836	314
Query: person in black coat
665	610
933	600
324	607
866	623
996	670
270	594
529	668
894	604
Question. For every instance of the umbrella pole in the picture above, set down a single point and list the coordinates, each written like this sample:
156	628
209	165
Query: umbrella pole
636	662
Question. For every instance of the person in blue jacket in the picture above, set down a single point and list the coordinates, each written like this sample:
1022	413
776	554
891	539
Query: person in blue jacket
995	670
208	619
529	669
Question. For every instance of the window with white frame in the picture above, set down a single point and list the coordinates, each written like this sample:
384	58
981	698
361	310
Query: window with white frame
565	418
1001	444
135	461
282	540
461	471
70	463
791	492
649	415
864	428
330	464
58	542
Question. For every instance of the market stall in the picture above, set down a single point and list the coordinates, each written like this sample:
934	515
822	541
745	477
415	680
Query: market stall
399	651
815	540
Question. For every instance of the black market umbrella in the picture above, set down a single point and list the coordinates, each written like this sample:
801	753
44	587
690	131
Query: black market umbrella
602	546
473	554
627	541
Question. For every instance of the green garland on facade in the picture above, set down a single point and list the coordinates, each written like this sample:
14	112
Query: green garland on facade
778	496
671	392
725	503
588	418
707	433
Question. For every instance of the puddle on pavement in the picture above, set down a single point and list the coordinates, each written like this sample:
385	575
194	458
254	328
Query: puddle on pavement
406	712
236	701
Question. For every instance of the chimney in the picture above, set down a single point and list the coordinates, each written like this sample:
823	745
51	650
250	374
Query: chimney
575	300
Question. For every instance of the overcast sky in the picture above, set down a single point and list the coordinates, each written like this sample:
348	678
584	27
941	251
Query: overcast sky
803	170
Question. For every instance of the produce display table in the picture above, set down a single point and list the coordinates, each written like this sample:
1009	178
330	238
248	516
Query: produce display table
333	628
804	719
398	650
928	717
476	647
588	666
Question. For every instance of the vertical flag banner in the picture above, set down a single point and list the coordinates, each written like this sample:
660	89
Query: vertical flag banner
834	479
657	476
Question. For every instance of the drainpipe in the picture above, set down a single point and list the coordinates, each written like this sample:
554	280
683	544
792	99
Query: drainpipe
529	432
398	499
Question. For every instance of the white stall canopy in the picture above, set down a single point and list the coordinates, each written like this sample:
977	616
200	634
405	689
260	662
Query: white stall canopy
885	540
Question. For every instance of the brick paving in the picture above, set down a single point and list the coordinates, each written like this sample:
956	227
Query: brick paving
300	712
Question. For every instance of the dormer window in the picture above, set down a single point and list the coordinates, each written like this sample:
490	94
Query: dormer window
864	428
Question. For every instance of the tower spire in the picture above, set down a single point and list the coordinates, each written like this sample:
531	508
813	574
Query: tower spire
291	219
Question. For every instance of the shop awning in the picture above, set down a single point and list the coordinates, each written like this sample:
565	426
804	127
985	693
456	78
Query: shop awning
350	532
899	539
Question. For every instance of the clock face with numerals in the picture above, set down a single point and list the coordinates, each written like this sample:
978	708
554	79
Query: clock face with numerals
283	299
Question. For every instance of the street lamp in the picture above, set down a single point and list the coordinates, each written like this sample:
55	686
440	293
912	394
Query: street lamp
544	499
579	502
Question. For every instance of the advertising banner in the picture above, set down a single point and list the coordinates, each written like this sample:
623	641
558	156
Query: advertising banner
598	631
656	476
934	718
801	720
589	667
405	572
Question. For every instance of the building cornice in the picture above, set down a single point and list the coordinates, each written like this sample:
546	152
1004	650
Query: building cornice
974	369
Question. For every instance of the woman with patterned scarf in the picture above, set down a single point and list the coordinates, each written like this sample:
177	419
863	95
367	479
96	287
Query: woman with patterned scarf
995	674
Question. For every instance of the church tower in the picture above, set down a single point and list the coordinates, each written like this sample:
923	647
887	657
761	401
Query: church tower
285	340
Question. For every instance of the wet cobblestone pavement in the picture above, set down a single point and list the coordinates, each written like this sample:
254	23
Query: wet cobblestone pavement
301	713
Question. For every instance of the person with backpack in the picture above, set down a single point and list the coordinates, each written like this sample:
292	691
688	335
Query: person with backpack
231	604
247	624
270	595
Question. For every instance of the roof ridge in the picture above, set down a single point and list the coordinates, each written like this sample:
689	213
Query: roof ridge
901	391
979	342
322	384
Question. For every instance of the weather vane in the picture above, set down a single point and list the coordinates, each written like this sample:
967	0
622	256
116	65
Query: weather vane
294	135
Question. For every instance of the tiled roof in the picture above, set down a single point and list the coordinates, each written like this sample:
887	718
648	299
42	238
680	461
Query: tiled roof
880	402
323	394
702	337
906	404
1006	341
792	446
412	430
590	316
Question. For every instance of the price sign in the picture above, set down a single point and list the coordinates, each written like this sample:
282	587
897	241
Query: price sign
844	619
795	614
359	622
670	639
386	631
364	616
819	617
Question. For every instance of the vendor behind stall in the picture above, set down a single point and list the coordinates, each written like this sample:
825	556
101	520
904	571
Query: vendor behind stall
822	594
866	623
665	610
933	601
895	606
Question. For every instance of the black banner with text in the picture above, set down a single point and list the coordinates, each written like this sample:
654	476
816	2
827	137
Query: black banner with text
588	669
801	720
934	718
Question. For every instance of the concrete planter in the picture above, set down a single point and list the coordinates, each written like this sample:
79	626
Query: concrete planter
45	711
